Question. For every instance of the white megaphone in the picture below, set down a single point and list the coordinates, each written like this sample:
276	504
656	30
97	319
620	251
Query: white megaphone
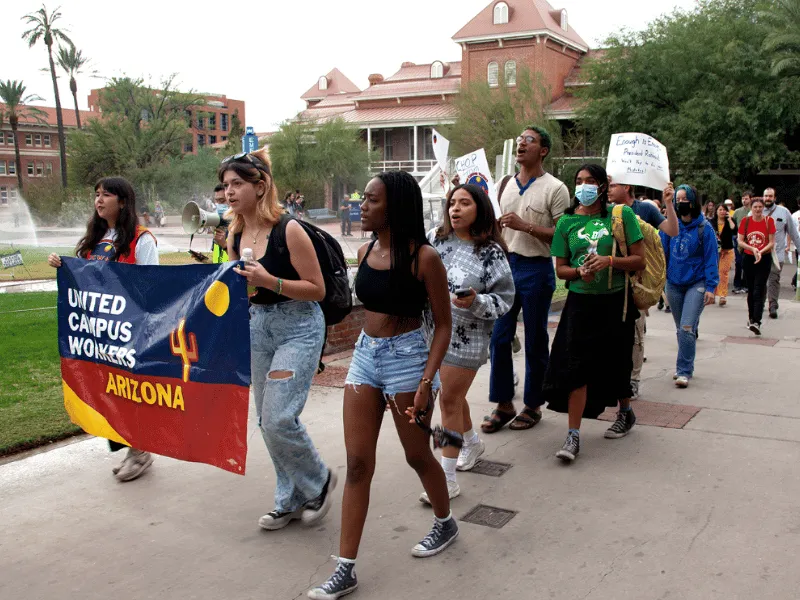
195	218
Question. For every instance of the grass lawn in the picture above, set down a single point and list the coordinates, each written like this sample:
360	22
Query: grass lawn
31	402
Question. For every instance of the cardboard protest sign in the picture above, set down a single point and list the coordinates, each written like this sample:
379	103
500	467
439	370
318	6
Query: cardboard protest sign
157	358
441	149
638	159
473	168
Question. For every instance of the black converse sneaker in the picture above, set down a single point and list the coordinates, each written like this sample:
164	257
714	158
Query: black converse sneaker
316	509
276	519
342	582
572	445
622	426
439	538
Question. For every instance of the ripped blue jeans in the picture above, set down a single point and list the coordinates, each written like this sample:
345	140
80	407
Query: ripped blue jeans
686	302
287	337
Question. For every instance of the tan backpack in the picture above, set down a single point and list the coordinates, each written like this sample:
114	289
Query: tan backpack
648	285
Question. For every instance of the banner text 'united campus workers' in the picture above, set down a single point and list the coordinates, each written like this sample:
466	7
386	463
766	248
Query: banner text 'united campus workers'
157	358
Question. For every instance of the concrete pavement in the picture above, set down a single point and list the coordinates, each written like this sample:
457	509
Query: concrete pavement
704	512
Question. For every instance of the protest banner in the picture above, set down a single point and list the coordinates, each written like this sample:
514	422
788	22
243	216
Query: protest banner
473	168
638	159
157	358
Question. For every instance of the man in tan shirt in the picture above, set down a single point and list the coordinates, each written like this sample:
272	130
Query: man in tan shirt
531	203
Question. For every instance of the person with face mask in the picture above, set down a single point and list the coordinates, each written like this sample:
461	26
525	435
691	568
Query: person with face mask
784	226
692	276
591	358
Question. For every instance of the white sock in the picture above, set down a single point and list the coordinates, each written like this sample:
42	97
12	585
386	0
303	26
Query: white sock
446	519
449	466
471	437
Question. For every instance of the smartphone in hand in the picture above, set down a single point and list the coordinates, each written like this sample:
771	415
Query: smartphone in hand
462	293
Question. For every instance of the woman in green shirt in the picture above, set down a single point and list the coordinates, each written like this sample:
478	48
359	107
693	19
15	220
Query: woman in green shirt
591	359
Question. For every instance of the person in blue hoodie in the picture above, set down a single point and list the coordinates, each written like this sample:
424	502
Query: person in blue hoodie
692	276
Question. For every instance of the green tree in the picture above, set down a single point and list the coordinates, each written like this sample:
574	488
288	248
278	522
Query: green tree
140	127
488	116
72	61
12	93
783	39
306	156
234	145
43	28
700	83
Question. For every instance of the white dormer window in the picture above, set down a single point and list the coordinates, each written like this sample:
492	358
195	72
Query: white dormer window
323	83
437	70
491	74
500	13
564	22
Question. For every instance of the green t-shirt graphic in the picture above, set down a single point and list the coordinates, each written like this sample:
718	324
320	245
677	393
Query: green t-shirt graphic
572	241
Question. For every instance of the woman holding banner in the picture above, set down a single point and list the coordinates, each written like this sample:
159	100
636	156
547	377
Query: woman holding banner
113	234
287	329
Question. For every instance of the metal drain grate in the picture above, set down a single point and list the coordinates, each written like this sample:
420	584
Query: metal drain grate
490	468
489	516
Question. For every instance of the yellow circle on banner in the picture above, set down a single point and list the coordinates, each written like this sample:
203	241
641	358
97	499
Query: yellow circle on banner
218	298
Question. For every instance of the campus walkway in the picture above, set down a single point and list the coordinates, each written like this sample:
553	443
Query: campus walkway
706	511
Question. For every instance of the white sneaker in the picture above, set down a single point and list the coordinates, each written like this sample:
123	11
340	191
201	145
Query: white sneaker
469	455
452	490
682	381
135	463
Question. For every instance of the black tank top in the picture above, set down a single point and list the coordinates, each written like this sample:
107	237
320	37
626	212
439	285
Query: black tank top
276	261
373	289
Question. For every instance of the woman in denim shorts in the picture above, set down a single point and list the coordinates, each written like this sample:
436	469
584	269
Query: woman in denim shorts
392	368
286	334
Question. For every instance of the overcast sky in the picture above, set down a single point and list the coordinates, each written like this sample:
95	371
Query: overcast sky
270	53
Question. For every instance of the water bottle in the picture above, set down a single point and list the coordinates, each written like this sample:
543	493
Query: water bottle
593	250
247	258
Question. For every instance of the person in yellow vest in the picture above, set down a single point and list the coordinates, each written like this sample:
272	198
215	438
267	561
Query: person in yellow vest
218	249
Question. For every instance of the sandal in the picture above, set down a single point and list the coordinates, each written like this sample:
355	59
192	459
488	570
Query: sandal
525	420
497	420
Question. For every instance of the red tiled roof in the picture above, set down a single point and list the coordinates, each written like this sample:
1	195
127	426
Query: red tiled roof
67	114
523	16
574	78
337	83
566	104
420	87
451	69
426	112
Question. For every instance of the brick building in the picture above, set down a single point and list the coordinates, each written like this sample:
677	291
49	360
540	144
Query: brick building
396	113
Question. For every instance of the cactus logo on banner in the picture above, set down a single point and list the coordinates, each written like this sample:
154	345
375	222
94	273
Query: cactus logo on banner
153	357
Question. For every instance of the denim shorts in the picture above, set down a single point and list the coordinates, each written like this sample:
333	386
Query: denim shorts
394	365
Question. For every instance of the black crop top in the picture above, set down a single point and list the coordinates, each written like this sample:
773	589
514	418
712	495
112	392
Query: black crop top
374	291
276	261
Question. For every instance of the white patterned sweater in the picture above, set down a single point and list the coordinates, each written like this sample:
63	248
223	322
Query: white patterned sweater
489	274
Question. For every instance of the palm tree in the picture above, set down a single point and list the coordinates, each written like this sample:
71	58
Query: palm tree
72	62
43	29
783	18
12	93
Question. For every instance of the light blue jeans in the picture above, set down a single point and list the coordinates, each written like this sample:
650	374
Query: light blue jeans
686	302
287	337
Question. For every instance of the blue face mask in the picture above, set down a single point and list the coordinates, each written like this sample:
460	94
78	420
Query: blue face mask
586	193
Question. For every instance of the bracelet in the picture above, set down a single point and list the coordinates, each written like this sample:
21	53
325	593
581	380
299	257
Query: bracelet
530	230
426	381
279	287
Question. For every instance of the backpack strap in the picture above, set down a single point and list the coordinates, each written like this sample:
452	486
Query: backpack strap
618	226
503	185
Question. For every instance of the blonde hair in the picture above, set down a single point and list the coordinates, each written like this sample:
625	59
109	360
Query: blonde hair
268	209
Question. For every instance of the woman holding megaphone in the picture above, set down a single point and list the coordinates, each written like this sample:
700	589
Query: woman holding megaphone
113	234
287	329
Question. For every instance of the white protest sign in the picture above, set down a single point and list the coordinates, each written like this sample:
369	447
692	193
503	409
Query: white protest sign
473	168
441	148
638	159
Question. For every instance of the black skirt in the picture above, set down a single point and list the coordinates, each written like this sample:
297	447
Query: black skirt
593	347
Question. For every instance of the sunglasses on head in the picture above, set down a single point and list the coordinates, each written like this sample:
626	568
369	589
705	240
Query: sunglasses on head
246	157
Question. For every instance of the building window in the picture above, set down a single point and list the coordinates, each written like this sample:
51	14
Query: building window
37	139
564	22
437	70
39	169
201	123
212	121
3	195
427	146
492	74
2	138
510	73
187	147
201	140
28	139
12	193
46	140
500	13
212	139
188	114
2	167
388	150
48	169
30	169
323	83
223	117
12	167
10	139
224	138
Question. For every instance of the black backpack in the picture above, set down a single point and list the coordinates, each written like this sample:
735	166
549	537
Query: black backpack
338	301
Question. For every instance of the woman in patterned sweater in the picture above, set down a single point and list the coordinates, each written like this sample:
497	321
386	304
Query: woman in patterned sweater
481	289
